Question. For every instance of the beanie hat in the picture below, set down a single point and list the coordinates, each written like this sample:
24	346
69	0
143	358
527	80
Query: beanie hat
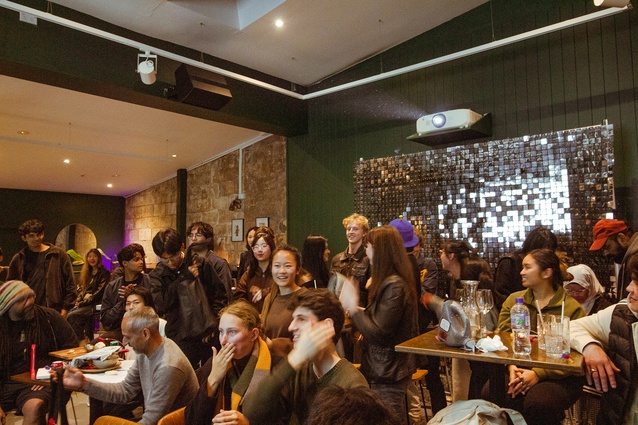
406	230
12	292
604	229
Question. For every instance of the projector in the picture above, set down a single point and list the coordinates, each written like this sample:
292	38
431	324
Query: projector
448	120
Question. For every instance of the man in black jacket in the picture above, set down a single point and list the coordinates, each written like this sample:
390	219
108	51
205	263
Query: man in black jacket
173	273
131	259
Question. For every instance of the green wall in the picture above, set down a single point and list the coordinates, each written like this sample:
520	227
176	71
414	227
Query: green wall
573	78
102	214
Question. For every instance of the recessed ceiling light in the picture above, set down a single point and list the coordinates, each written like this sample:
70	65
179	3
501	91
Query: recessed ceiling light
109	185
23	132
115	175
67	161
279	23
174	155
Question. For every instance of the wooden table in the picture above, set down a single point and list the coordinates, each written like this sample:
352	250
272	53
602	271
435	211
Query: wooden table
117	375
25	378
68	353
427	344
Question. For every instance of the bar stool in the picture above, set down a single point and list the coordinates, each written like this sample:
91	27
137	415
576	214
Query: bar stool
418	377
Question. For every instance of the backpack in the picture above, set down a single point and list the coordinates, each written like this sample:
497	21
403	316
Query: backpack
476	412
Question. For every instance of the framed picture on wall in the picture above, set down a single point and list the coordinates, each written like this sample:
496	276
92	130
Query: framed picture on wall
237	230
261	221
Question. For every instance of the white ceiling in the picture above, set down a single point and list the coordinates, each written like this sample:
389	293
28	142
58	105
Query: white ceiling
131	146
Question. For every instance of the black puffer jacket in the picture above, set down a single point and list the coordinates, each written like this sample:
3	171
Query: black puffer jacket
617	401
387	321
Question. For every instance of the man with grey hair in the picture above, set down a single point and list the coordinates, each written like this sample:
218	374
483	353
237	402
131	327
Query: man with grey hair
161	371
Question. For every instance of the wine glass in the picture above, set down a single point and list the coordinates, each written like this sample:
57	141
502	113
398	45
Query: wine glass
485	302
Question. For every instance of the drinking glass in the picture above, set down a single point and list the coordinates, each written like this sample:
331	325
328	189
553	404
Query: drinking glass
553	336
485	302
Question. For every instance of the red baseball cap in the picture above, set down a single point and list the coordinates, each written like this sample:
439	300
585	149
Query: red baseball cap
604	229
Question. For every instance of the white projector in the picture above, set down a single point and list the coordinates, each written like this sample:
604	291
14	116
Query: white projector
448	120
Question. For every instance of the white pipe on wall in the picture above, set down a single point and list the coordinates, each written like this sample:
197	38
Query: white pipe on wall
453	56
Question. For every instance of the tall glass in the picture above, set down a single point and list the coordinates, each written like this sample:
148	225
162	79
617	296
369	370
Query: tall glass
485	302
468	302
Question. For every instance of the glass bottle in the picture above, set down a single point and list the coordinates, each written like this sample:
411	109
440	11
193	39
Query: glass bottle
468	302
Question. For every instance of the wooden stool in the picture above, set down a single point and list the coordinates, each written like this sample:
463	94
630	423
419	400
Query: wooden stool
418	376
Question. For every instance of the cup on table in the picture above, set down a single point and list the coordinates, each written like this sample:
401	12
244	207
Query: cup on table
553	336
540	332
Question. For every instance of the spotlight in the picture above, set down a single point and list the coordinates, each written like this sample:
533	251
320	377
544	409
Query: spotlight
611	3
146	67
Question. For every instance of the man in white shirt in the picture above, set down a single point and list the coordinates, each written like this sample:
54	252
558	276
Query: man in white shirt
608	341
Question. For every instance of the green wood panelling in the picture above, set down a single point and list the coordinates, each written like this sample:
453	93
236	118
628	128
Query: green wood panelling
572	78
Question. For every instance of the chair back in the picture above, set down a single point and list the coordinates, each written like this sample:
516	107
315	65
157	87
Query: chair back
176	417
112	420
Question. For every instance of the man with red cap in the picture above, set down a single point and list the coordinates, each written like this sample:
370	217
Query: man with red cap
618	243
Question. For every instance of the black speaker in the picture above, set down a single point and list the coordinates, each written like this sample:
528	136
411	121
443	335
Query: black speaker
197	87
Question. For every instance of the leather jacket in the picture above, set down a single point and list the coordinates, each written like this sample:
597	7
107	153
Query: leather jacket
60	283
387	321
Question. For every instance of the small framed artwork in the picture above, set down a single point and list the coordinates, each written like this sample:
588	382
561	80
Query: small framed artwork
237	230
261	221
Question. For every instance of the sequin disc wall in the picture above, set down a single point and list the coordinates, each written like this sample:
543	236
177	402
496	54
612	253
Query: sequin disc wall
493	193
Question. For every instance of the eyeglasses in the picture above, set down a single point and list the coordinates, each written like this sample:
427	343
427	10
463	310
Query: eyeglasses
195	235
258	247
576	291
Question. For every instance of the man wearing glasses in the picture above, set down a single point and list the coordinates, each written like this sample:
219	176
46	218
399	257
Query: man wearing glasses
202	242
618	243
175	271
131	259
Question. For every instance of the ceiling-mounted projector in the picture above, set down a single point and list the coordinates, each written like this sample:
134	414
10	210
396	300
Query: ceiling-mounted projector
445	121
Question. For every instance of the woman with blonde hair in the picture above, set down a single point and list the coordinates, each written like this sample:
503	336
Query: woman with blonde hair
93	279
390	317
235	371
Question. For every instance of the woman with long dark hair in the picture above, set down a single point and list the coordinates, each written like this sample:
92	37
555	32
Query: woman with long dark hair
389	318
256	282
275	315
507	277
541	395
245	257
314	256
93	279
461	262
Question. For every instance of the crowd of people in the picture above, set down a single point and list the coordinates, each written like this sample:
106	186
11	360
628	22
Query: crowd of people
295	333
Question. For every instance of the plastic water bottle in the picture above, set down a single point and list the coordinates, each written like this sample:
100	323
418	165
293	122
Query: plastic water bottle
519	316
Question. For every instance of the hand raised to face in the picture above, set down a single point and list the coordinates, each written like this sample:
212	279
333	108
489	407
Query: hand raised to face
311	342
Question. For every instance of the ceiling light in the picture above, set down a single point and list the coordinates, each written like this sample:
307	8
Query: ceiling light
23	132
146	67
174	155
279	23
67	161
109	185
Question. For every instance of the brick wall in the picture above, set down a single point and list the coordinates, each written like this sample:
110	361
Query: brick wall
211	189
